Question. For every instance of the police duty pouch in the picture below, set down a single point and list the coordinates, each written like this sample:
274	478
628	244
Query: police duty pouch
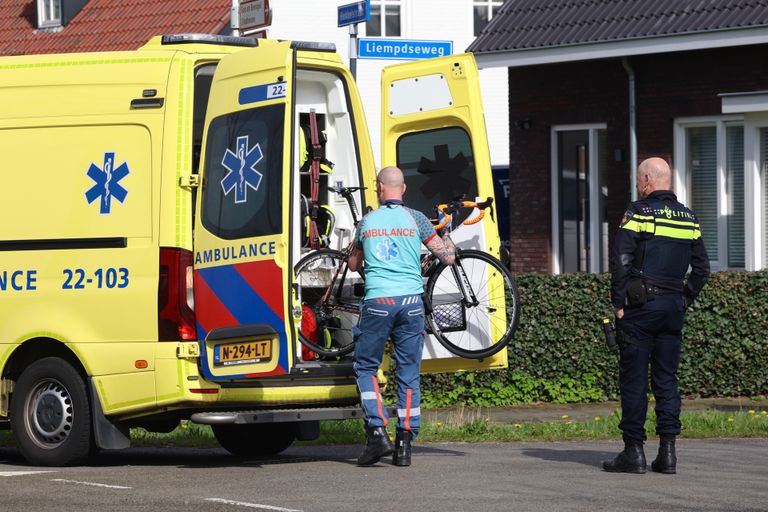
637	292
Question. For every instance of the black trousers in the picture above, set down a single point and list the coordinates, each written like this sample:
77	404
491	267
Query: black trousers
658	322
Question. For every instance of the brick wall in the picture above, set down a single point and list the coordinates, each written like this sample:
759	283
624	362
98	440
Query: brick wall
668	86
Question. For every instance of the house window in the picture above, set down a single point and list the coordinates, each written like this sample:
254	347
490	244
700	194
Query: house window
579	193
484	11
711	182
385	19
764	178
48	13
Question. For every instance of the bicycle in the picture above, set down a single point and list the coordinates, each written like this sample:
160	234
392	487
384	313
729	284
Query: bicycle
471	307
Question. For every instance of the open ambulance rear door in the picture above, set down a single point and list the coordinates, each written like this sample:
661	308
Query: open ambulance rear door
242	255
433	128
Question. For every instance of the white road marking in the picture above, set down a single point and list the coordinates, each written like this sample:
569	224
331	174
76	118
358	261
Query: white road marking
92	484
20	473
251	505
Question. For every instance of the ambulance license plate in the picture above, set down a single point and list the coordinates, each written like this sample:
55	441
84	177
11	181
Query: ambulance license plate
246	352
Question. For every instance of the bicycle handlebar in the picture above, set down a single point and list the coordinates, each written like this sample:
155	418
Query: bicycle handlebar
346	193
454	206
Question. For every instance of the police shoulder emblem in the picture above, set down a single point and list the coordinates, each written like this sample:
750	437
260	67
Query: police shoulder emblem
627	217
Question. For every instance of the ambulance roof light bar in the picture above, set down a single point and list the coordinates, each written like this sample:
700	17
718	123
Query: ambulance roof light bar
209	39
313	46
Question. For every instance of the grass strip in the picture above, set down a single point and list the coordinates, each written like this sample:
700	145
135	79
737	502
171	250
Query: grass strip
473	429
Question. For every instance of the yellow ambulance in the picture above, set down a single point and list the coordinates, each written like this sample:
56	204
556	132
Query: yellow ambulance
151	206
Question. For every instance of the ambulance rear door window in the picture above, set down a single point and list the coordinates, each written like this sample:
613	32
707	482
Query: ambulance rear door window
242	194
438	166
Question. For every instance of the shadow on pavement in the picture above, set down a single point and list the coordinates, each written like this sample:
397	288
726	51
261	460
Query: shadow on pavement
592	458
202	458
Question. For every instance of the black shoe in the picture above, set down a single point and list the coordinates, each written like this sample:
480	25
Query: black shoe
631	460
402	456
377	445
666	460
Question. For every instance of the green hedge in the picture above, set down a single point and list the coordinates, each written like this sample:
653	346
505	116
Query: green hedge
558	353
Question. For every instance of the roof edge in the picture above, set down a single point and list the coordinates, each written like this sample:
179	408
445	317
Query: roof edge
623	48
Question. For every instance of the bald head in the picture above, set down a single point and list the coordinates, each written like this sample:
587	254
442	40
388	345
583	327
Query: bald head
653	174
390	184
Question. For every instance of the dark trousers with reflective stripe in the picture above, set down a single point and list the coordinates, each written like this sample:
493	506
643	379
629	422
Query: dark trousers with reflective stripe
402	319
658	322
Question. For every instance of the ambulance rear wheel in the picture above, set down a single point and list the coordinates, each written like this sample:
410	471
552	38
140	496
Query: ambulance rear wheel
255	439
50	414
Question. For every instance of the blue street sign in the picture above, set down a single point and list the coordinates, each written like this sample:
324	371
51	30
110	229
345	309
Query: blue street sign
357	12
402	49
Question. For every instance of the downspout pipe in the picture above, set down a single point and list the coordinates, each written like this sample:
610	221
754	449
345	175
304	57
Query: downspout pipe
632	128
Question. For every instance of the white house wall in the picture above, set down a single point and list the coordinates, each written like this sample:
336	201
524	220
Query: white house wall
315	20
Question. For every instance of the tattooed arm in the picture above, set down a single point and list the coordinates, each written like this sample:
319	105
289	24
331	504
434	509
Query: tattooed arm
443	249
355	262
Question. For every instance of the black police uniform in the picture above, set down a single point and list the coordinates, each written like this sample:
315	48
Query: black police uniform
657	241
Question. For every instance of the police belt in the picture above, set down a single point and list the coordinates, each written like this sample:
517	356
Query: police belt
656	290
639	291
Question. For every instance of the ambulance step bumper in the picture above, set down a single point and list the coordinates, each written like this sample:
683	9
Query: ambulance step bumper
281	415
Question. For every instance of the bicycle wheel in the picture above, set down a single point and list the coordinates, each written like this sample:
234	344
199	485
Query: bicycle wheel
484	322
330	295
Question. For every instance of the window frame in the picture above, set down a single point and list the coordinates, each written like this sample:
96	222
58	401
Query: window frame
755	193
383	21
682	181
594	190
42	21
489	5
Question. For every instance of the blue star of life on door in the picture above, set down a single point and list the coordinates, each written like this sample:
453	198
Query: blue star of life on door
242	175
386	250
107	183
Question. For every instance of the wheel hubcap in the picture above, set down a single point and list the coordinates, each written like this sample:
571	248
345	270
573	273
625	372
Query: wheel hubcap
49	414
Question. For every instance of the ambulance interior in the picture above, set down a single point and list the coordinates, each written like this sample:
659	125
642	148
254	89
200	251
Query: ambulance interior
324	94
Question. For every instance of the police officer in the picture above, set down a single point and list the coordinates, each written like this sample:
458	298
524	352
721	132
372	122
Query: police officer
659	238
389	242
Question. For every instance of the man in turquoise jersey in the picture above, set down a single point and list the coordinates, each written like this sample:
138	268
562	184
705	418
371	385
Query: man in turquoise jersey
389	241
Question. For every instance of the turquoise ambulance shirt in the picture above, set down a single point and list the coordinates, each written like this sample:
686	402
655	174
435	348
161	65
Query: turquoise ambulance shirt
391	239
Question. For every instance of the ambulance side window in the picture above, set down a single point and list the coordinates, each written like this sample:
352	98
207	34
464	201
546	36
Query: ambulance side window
438	166
242	194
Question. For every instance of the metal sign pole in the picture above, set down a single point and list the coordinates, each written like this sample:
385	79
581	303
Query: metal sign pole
235	17
353	50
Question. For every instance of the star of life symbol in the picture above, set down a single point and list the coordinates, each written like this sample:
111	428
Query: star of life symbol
240	165
107	183
386	250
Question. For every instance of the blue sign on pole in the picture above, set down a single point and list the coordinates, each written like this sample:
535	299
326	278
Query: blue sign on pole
402	49
357	12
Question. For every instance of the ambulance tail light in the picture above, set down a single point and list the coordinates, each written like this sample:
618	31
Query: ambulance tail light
175	303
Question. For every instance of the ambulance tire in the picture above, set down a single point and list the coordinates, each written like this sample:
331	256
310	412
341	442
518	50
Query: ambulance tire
50	414
255	439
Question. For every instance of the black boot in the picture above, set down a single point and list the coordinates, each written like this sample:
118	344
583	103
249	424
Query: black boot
666	460
377	445
631	460
402	456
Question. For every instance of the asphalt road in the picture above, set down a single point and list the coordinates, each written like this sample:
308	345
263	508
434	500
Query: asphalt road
713	475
